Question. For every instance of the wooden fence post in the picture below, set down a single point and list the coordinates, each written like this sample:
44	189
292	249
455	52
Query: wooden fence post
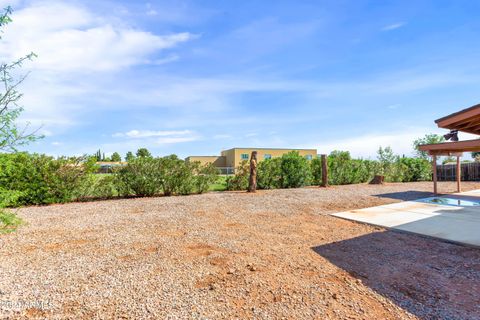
434	168
324	171
459	174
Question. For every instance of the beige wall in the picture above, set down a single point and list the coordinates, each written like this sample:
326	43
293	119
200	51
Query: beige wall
234	156
229	158
217	161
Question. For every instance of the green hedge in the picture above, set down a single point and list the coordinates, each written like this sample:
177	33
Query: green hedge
27	179
292	170
41	179
167	175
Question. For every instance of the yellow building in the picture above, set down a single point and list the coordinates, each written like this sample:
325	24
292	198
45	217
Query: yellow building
231	158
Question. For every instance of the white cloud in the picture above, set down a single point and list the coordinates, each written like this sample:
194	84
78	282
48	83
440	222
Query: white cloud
78	53
171	140
393	26
149	133
150	137
69	38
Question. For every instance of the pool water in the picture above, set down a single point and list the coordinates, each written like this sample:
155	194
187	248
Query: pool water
450	202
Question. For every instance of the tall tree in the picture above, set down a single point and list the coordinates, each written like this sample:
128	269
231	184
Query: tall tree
143	153
116	157
11	135
427	139
129	156
98	155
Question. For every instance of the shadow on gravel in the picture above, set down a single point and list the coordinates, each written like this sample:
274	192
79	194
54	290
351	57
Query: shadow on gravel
416	195
405	195
430	279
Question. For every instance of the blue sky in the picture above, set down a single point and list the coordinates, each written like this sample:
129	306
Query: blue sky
196	77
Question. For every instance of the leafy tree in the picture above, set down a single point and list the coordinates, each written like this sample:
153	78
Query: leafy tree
116	157
143	153
476	156
449	159
390	165
427	139
129	156
11	136
98	155
386	155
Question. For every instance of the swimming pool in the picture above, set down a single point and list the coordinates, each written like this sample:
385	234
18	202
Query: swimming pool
451	202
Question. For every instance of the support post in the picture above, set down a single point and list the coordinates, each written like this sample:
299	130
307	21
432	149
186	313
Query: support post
324	171
459	174
434	166
252	182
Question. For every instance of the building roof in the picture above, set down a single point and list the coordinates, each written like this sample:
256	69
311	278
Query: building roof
466	120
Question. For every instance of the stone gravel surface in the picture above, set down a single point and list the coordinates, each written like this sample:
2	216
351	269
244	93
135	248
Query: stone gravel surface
270	255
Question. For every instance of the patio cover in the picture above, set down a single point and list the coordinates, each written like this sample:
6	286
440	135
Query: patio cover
467	120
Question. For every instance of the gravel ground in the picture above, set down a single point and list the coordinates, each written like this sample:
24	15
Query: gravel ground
270	255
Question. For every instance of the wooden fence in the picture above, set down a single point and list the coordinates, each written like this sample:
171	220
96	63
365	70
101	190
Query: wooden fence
469	172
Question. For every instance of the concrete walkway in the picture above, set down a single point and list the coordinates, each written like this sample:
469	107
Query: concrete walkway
449	222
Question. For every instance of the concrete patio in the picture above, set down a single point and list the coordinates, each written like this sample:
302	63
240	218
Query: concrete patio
460	224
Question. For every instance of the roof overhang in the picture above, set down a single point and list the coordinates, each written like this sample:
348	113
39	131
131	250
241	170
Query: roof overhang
451	148
467	120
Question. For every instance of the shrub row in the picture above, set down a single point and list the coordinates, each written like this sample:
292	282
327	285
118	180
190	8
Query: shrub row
288	171
39	179
168	175
292	170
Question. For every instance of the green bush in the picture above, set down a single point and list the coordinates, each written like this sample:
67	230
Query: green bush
240	180
295	171
342	169
176	175
345	170
97	186
147	176
43	179
416	169
288	171
269	174
141	177
9	222
205	176
316	169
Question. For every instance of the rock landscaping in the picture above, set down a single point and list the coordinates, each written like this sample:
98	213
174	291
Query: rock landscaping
268	255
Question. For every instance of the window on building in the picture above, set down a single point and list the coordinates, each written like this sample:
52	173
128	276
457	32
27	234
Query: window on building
308	157
244	156
267	156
